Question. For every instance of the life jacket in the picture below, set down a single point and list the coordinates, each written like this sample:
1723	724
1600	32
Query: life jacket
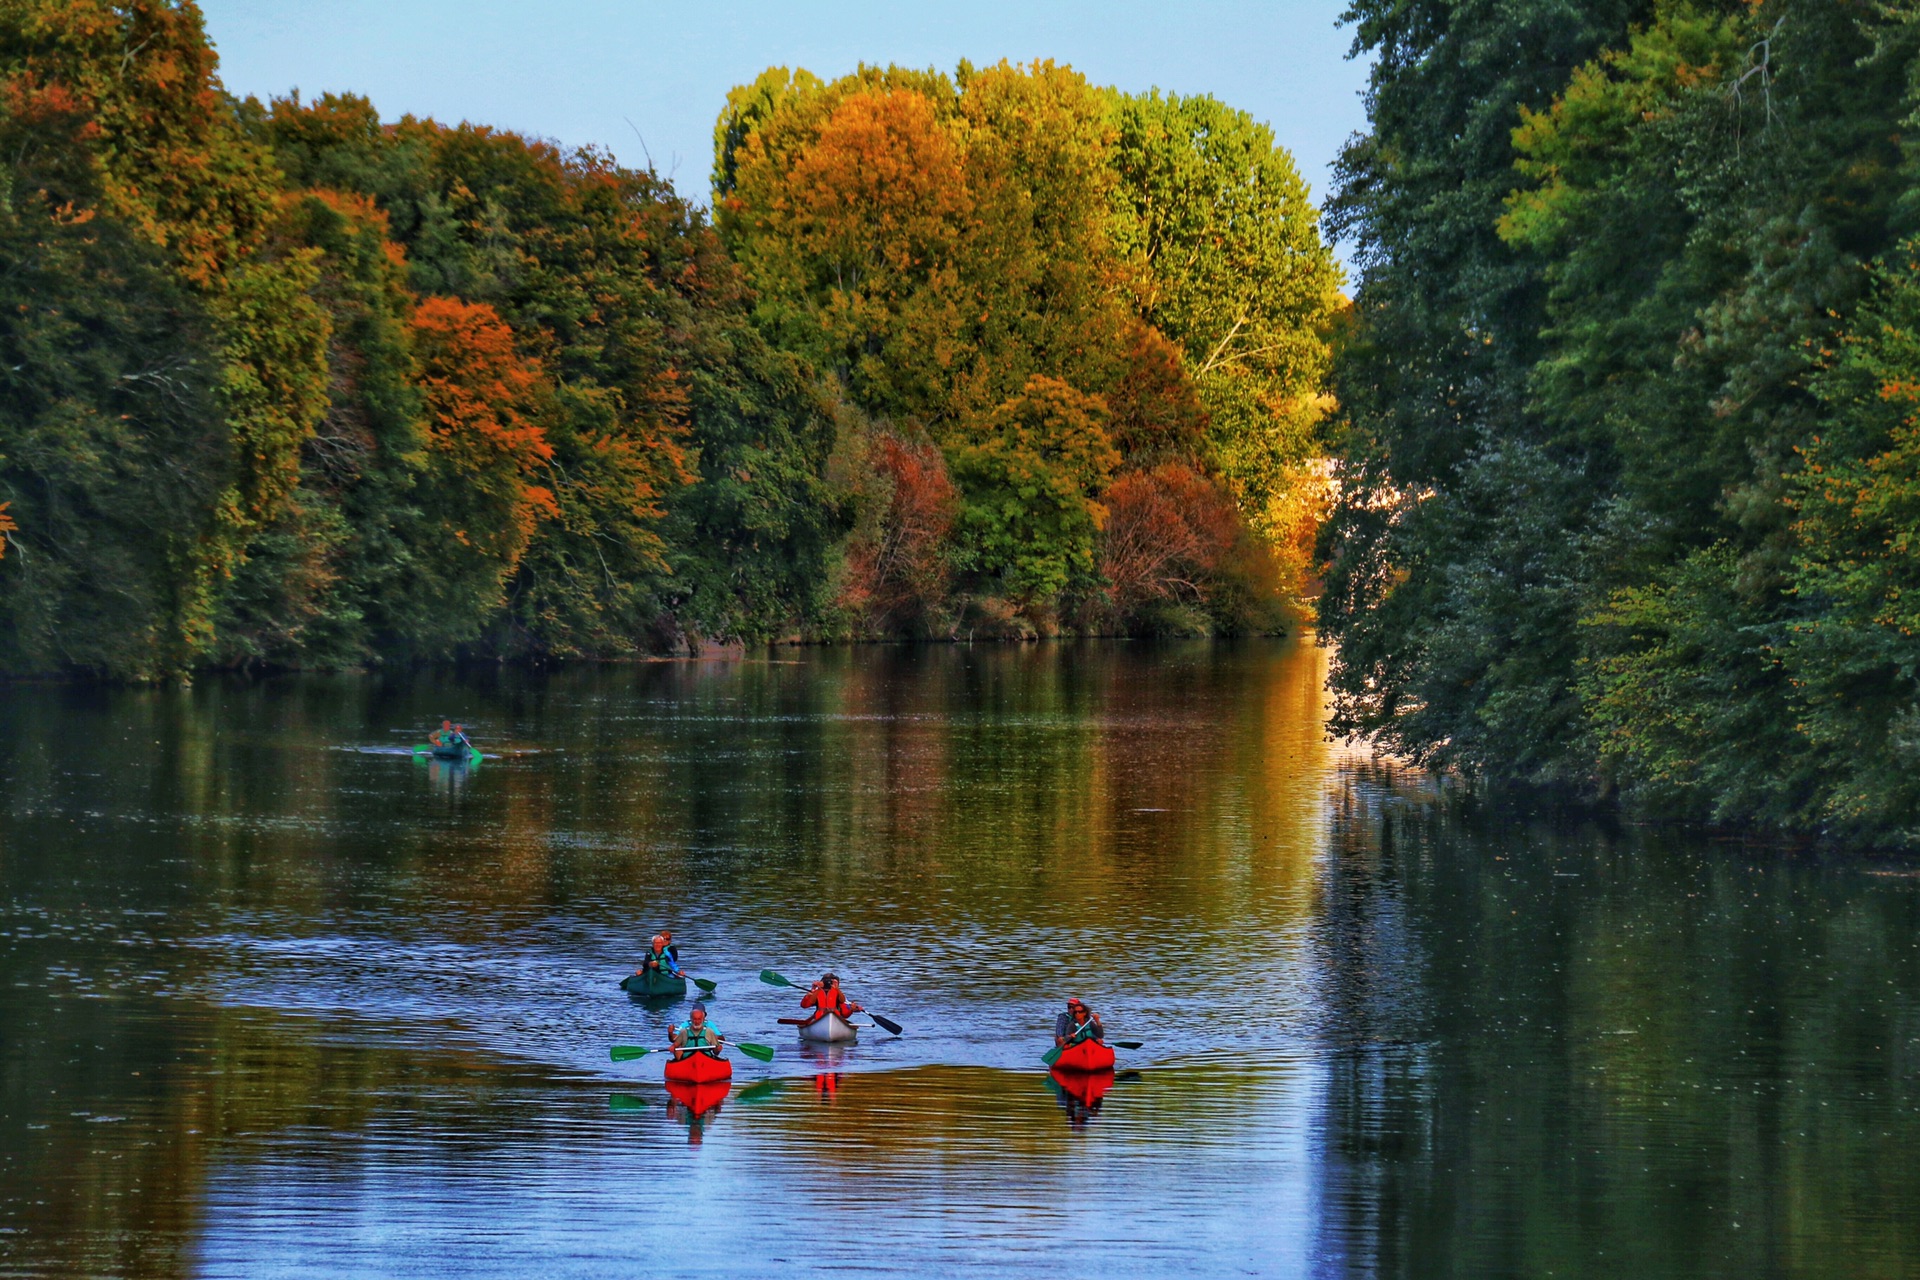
696	1037
661	960
826	1002
1083	1031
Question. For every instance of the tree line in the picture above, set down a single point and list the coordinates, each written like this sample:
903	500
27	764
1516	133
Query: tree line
994	352
1627	444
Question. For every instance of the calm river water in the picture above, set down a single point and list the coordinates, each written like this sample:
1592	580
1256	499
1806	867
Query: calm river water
278	1000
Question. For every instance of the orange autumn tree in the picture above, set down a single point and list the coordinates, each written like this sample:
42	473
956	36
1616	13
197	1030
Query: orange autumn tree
485	484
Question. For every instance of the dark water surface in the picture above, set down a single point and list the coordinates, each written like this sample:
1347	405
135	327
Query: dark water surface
277	1000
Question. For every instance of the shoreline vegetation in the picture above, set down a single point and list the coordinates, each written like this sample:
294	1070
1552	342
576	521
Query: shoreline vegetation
1628	479
997	353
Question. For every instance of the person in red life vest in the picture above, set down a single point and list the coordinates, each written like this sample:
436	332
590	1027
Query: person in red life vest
825	997
1076	1024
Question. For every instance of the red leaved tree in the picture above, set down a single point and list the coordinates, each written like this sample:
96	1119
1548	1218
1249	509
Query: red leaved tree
897	576
1168	530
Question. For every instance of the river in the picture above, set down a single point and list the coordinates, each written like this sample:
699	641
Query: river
278	999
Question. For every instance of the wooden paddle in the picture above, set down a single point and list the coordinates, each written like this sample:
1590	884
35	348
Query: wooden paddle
1052	1055
628	1052
773	979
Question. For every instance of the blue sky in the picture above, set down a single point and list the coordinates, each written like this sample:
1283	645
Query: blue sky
579	70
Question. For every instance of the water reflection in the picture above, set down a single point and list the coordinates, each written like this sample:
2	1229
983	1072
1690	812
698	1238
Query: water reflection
278	1001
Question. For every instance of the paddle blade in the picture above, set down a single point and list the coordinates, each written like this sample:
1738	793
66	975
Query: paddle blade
773	979
627	1052
626	1102
1126	1044
1050	1057
761	1051
892	1028
707	985
417	750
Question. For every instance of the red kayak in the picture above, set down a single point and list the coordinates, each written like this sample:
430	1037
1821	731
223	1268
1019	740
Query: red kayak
1088	1055
704	1068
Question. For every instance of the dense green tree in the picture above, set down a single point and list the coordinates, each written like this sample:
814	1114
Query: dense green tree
1580	548
1231	267
113	451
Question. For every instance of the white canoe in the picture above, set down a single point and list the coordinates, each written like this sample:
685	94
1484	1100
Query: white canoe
829	1029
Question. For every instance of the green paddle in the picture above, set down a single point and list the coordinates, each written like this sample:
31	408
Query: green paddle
628	1052
1052	1056
626	1102
773	979
760	1092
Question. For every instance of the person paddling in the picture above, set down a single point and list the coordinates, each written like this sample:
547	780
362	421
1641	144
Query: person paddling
695	1036
826	997
1076	1024
661	958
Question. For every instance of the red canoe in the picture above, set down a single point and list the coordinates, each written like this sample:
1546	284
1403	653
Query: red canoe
1088	1055
704	1068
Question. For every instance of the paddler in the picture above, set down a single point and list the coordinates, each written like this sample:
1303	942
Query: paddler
439	736
695	1036
1076	1024
825	997
661	958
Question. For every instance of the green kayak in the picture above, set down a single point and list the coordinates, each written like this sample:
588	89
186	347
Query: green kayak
653	985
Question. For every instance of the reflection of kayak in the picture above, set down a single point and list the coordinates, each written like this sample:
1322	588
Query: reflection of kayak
828	1028
1088	1055
460	754
654	984
698	1098
701	1069
1086	1087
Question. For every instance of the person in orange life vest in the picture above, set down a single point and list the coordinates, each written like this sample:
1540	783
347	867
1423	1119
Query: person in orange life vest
1076	1024
826	997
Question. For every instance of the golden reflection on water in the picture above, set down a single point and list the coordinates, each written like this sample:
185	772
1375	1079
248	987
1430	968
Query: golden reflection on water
279	999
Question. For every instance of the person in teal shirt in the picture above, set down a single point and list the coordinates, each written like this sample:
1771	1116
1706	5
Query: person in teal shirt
696	1035
661	959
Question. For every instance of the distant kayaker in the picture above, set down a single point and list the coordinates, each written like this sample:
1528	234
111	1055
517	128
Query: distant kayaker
825	997
441	736
695	1036
1076	1024
661	958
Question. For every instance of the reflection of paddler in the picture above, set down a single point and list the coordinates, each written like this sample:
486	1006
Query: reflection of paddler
1085	1087
697	1104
